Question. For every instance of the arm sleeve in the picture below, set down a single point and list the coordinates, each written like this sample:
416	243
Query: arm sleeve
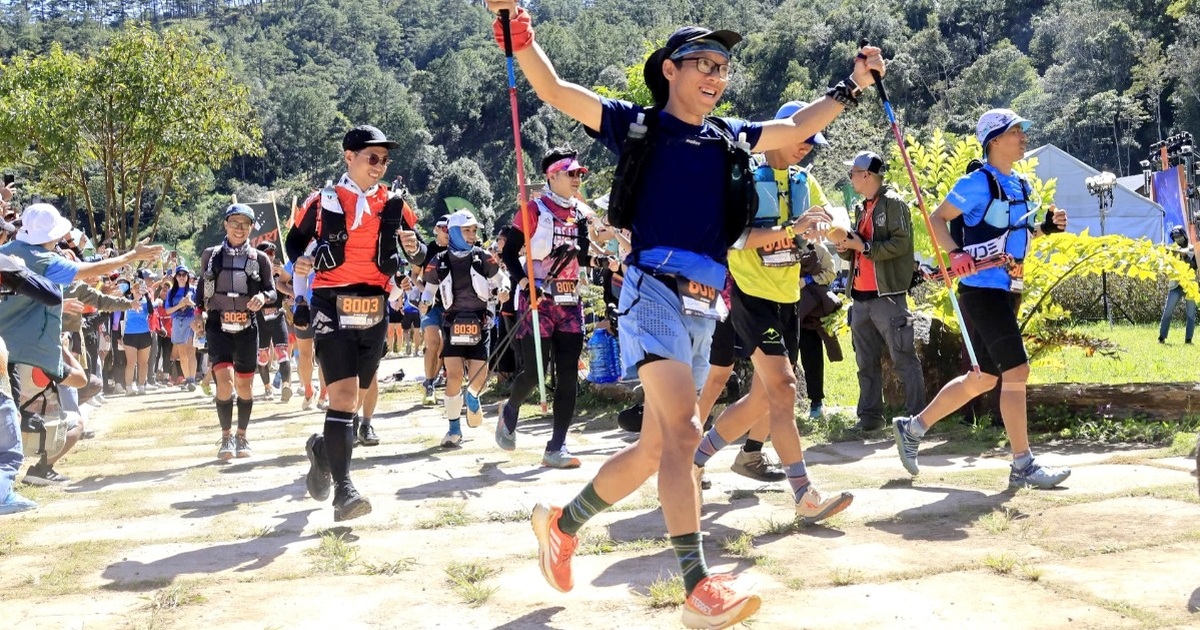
900	240
511	255
584	242
201	281
305	229
268	279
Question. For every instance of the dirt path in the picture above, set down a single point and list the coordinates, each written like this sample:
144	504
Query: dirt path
154	533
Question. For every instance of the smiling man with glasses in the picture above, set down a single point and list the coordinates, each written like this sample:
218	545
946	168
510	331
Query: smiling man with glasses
352	235
235	282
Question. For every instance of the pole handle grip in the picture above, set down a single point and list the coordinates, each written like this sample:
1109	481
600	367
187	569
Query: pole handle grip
875	75
507	27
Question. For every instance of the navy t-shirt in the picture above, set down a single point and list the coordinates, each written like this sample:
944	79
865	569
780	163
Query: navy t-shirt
681	203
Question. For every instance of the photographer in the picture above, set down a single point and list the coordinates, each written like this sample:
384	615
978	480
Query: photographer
1183	249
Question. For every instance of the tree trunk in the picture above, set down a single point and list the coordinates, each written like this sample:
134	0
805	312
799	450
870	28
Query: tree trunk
1166	401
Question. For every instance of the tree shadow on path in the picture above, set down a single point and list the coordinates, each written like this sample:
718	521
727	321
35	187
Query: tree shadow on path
948	518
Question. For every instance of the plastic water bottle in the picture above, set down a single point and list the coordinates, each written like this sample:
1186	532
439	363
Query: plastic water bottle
602	352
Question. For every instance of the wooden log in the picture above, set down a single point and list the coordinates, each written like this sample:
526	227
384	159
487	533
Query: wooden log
1167	401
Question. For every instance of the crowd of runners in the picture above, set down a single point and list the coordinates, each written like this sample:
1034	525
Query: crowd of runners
696	270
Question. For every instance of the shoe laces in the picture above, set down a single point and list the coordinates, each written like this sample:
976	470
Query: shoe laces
242	442
717	587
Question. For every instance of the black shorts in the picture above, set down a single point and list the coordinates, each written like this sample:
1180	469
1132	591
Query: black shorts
272	332
722	352
765	325
411	321
139	341
395	317
991	318
475	352
303	333
346	352
239	348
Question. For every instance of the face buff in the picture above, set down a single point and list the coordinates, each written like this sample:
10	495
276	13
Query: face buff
458	244
563	202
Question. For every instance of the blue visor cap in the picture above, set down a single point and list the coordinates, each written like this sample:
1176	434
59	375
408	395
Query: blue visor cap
789	109
704	45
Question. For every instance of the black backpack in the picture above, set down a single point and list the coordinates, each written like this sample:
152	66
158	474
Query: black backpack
958	224
741	196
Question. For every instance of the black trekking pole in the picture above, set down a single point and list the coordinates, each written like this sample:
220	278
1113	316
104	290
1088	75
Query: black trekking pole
912	176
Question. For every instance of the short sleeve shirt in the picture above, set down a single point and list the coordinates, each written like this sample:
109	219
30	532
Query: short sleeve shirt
972	196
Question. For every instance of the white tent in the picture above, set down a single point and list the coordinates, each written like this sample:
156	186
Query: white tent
1131	214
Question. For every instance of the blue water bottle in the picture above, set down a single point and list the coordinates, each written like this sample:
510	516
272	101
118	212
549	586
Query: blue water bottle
602	351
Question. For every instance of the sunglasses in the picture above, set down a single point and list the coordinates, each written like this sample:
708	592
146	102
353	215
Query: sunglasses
575	173
375	160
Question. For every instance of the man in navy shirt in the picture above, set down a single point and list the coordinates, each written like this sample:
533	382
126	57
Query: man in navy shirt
670	298
990	225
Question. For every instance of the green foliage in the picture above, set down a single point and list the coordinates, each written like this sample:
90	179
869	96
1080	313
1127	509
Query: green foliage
132	117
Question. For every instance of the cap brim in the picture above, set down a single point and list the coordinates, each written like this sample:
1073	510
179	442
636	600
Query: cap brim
728	39
387	144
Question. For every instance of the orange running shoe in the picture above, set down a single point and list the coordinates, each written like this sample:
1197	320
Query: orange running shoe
554	547
719	601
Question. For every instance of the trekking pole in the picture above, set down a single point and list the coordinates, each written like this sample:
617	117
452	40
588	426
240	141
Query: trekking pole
524	201
937	250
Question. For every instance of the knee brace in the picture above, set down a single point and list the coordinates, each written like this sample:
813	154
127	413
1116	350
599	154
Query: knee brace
264	356
281	353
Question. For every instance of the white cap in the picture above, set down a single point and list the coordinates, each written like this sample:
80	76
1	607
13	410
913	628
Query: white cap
995	122
461	218
41	223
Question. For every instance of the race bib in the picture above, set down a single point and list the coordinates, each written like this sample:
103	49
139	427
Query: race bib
562	290
698	300
467	330
234	321
270	313
779	254
358	311
1016	275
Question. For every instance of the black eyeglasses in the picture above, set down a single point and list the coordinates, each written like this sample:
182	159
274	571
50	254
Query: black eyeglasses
375	160
708	66
240	225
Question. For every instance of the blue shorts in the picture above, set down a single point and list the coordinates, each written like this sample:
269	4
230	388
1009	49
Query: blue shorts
181	330
433	317
655	325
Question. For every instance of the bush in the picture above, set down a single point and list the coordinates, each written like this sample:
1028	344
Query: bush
1138	300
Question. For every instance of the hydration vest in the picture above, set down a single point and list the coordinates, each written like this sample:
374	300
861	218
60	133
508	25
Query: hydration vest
479	282
1001	222
551	233
332	232
230	281
769	206
741	198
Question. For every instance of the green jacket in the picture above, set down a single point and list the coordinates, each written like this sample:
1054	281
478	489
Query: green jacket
891	243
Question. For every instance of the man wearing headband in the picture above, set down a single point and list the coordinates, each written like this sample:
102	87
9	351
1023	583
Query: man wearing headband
559	244
670	298
766	288
972	224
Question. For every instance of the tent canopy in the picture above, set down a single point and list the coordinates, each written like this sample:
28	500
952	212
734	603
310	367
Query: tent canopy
1131	214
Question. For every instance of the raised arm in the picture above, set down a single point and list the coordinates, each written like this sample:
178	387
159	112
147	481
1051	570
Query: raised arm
569	98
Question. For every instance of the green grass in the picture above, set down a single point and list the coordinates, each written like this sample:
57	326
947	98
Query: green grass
1144	360
665	592
334	555
467	580
174	596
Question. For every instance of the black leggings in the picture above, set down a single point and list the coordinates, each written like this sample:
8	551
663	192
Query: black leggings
812	360
565	349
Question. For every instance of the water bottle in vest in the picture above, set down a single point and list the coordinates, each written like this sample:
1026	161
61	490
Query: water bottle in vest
602	355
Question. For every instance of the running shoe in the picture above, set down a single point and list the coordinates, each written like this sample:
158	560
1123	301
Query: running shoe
505	439
42	474
474	409
719	601
757	466
906	444
228	448
440	381
451	439
190	385
322	404
816	411
560	459
554	547
319	479
1037	476
348	504
243	447
430	397
307	404
813	507
285	394
14	503
206	388
366	434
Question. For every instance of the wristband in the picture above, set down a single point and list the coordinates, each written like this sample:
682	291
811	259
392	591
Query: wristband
843	94
789	231
1049	226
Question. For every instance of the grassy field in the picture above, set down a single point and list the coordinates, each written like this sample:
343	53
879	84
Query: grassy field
1142	359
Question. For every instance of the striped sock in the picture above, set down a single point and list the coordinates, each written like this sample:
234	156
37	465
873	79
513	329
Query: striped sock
709	446
797	478
689	551
580	509
915	427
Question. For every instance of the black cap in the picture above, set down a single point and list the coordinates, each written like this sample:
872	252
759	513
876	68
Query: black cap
364	136
1176	230
868	161
266	246
556	154
686	34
